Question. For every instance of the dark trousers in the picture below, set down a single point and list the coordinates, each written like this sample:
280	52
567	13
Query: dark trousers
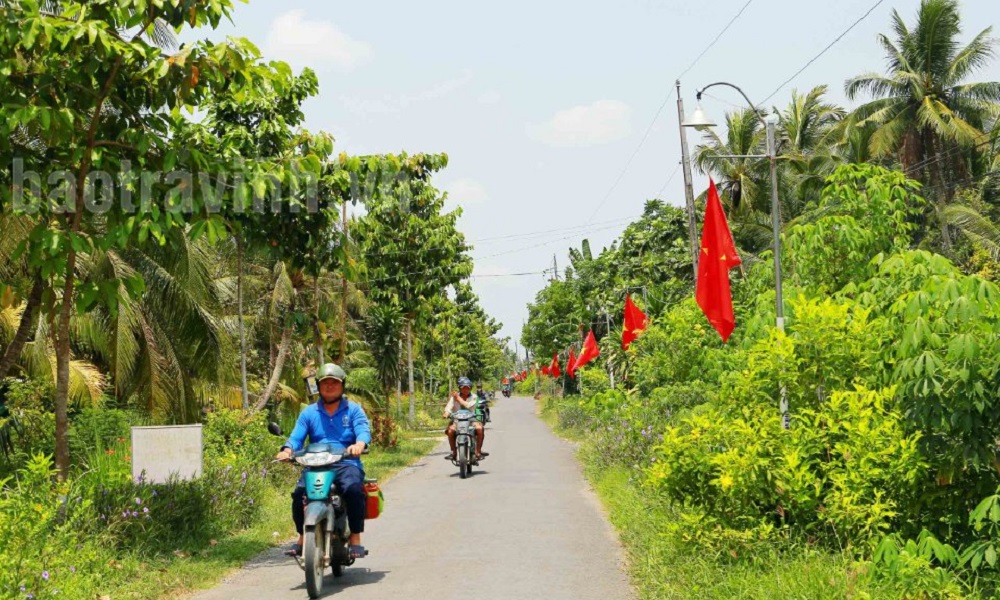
349	480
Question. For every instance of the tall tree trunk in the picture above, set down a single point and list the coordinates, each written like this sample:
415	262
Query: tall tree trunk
317	334
13	351
62	333
399	397
243	339
409	362
279	365
343	291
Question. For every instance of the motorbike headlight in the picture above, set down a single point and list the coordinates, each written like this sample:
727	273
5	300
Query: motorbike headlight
318	459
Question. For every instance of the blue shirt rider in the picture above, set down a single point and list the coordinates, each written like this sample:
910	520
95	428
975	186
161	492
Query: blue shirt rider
336	420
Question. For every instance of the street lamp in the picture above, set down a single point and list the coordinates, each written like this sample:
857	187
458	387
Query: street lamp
699	120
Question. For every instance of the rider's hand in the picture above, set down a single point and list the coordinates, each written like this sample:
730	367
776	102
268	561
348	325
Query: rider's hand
284	455
356	450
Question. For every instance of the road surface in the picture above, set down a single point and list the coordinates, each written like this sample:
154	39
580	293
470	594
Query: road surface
525	526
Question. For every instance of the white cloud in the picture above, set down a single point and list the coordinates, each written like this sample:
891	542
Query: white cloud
389	104
490	97
588	125
466	192
304	42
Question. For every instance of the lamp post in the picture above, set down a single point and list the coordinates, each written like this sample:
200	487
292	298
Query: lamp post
699	120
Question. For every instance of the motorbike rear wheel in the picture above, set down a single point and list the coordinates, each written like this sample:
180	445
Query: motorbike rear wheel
313	557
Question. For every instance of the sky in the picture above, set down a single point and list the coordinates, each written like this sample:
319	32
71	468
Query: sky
558	117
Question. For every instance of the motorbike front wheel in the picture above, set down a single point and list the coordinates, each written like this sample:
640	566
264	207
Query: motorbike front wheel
463	461
314	558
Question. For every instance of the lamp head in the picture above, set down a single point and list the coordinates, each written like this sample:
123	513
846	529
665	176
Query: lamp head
698	119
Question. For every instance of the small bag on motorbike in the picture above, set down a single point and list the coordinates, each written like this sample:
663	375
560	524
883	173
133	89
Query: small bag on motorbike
374	500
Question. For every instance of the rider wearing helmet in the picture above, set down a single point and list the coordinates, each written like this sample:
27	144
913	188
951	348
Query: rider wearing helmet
336	420
481	395
458	401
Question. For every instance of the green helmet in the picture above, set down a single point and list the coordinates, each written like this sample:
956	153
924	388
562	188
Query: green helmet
331	371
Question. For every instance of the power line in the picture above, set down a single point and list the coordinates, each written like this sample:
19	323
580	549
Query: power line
659	111
824	50
717	38
659	194
578	230
543	244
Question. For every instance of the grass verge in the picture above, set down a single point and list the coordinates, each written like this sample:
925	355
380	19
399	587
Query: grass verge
661	567
173	575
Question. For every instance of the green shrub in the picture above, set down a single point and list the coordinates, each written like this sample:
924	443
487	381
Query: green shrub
48	544
838	475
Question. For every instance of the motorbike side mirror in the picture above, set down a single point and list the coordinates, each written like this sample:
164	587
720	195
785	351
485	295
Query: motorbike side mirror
274	429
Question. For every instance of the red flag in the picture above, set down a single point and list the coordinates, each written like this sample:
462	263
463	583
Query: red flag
635	323
718	255
589	352
546	370
554	367
571	365
524	374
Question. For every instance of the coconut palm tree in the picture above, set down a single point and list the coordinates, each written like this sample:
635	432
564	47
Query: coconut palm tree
809	129
742	182
157	344
924	111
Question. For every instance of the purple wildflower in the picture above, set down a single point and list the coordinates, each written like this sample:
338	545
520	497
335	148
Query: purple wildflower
135	513
138	500
145	509
45	575
72	569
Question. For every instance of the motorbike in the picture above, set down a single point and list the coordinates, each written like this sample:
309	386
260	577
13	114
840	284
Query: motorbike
465	442
506	392
483	410
327	533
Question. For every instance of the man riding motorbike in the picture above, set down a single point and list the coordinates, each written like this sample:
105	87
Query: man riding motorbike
481	395
458	401
333	419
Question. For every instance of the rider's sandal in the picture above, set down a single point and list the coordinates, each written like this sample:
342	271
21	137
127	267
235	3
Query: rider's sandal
358	552
450	456
294	551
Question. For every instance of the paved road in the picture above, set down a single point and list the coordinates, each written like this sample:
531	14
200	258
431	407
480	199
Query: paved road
525	526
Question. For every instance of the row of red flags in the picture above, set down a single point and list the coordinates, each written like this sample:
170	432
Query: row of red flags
712	291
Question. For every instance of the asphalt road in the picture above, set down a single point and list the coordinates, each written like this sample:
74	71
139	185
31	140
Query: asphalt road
525	526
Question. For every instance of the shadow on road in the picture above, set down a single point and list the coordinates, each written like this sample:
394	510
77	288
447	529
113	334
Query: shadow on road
353	577
475	473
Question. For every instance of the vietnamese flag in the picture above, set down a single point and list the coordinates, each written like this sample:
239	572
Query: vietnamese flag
571	365
718	255
635	322
546	370
554	367
589	352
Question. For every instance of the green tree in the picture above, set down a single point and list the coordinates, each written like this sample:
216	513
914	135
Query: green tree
86	82
412	249
924	111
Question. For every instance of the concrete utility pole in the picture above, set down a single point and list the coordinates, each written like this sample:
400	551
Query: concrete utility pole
688	184
611	370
